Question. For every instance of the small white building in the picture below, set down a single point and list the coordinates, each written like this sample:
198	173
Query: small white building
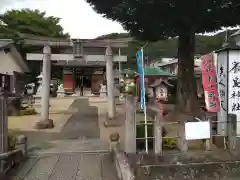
11	64
171	65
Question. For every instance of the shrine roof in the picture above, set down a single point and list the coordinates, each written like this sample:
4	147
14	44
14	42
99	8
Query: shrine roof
156	72
76	63
158	82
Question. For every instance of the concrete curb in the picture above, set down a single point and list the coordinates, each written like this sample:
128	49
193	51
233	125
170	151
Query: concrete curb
123	168
30	155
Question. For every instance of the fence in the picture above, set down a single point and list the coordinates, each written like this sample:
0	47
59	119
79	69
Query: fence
159	124
3	123
7	158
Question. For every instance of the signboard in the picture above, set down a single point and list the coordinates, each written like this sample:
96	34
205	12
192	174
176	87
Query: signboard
209	82
234	84
141	79
222	73
203	130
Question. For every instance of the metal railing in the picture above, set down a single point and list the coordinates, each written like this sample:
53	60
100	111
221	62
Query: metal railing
158	126
10	158
7	158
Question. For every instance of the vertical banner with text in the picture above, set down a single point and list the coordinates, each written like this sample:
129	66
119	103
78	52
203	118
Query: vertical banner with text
209	82
141	78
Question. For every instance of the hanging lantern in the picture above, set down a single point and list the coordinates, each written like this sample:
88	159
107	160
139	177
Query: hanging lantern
161	92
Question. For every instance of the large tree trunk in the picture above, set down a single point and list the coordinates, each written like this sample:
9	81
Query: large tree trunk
186	86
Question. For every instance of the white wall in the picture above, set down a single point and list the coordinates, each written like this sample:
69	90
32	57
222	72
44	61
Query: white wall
237	40
8	64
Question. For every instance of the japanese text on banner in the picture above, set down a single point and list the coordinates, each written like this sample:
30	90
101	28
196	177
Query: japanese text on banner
209	82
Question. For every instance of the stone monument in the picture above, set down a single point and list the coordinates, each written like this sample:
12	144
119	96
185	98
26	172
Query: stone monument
103	90
39	89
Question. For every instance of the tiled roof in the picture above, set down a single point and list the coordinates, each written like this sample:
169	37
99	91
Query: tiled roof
80	63
236	33
173	61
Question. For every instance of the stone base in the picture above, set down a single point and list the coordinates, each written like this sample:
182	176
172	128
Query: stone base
118	101
61	94
113	122
45	124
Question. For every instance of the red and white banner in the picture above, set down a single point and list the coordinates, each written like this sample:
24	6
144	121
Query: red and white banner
209	82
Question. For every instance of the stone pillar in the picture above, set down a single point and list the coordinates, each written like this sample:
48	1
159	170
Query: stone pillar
110	86
158	134
3	123
130	125
44	121
232	131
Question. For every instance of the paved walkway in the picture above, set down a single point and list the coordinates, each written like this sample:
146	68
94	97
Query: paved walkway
79	166
84	123
75	153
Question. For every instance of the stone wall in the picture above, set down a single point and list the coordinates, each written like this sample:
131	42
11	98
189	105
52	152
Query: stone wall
193	171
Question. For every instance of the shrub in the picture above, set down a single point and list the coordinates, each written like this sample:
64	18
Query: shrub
140	133
27	111
12	140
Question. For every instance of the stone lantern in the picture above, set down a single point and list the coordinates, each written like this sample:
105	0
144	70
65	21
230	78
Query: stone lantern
39	89
160	90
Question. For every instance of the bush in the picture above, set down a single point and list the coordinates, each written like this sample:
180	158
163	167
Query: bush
27	111
12	140
169	143
140	133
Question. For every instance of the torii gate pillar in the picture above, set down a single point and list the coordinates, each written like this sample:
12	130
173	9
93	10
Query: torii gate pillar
44	122
110	84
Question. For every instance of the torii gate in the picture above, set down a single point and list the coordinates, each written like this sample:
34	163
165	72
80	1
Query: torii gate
79	54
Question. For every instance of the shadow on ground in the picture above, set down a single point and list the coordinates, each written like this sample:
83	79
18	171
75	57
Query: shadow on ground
83	124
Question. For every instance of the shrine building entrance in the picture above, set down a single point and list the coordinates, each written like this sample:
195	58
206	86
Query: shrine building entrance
90	77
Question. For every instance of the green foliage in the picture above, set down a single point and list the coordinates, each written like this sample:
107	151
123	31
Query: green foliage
12	140
26	21
128	88
168	47
167	143
27	111
154	20
15	24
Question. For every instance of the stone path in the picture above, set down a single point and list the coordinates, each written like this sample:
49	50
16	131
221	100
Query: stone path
79	166
84	123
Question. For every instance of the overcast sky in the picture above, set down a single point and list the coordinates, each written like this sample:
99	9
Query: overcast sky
77	16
